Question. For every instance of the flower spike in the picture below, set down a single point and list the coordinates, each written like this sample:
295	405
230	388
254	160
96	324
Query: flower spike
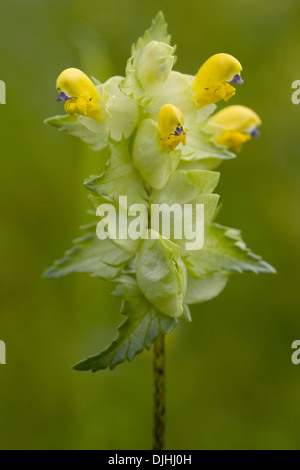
79	93
212	82
170	123
237	125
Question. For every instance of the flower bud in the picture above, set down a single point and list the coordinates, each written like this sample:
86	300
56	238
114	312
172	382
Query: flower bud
154	65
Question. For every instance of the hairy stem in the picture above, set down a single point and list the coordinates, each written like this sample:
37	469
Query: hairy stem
159	392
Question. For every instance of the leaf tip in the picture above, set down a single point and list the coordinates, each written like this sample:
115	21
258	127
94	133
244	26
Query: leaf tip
49	273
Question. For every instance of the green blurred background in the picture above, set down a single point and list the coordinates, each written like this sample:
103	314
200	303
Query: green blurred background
230	380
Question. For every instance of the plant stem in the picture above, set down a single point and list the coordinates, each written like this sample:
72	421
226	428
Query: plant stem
159	392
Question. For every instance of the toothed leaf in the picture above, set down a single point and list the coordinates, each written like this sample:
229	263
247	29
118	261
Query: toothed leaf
99	258
224	251
88	130
119	178
144	323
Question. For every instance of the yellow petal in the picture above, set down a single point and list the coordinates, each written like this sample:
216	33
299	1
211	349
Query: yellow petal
232	139
169	118
74	83
170	124
84	97
70	106
234	126
237	118
211	82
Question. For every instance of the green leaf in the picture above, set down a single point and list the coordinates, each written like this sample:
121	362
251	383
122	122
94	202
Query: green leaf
153	162
210	202
224	251
161	274
88	130
177	91
120	178
99	258
186	186
158	31
121	112
144	323
186	314
201	152
204	113
205	288
150	64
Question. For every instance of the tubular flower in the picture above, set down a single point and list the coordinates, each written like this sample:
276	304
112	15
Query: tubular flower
212	82
170	123
79	93
238	124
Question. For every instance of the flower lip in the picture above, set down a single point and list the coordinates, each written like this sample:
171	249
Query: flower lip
179	131
237	79
62	97
255	133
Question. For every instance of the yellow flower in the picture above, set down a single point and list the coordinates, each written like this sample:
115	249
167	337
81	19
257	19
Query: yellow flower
170	123
79	93
212	82
235	125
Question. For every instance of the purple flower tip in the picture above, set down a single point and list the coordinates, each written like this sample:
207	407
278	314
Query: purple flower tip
237	79
255	133
61	97
179	131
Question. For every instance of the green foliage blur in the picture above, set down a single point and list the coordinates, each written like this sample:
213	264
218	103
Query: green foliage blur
230	380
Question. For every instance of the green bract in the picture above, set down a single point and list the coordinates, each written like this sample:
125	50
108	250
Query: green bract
156	277
153	162
161	274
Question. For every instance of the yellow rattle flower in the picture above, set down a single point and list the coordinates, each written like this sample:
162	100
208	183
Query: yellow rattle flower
79	93
238	124
212	82
170	124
